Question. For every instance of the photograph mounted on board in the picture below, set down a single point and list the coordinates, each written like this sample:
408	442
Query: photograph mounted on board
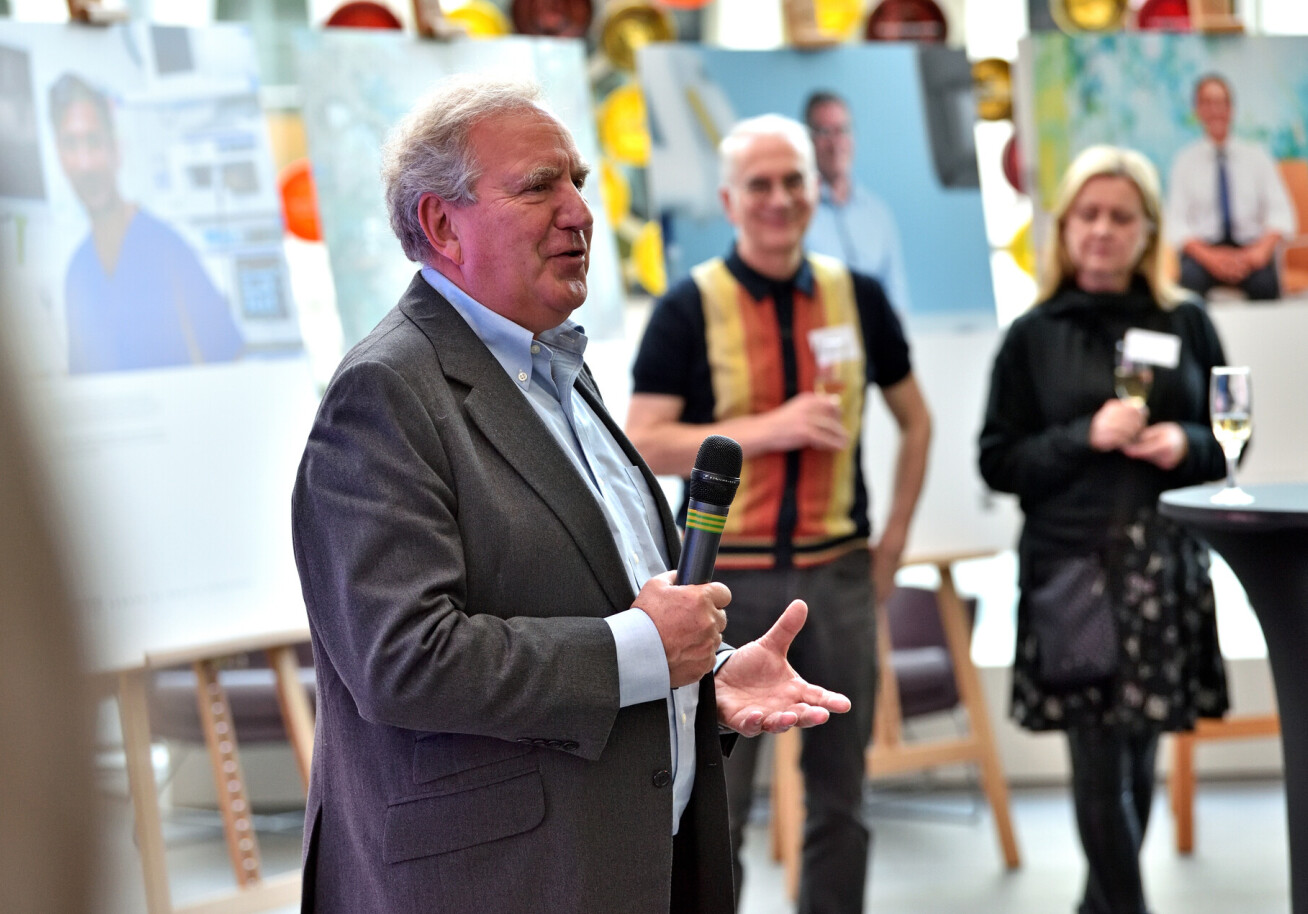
139	199
892	127
1223	120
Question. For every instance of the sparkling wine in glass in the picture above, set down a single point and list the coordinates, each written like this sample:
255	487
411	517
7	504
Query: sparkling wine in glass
1132	379
1230	405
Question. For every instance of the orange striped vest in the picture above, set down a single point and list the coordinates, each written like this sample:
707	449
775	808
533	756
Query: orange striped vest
745	362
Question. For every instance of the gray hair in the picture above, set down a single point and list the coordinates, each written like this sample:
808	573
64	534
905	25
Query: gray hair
428	151
740	136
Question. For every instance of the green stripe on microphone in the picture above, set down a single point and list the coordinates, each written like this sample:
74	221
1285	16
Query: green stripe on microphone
700	520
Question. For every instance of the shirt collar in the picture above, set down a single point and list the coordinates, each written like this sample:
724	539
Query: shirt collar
510	343
759	286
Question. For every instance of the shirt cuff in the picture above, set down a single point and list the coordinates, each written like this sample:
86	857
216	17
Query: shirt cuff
724	654
642	664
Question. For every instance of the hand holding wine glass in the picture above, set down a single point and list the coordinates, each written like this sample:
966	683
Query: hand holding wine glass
1132	378
1230	406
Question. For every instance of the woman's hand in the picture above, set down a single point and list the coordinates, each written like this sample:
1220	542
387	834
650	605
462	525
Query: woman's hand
1116	424
1164	445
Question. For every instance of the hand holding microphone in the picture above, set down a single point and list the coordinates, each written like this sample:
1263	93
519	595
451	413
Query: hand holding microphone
690	619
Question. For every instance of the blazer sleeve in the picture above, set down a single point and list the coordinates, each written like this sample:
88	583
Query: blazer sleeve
380	535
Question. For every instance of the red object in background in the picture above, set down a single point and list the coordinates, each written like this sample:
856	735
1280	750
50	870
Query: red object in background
558	18
1011	159
906	20
364	14
1169	15
685	4
300	200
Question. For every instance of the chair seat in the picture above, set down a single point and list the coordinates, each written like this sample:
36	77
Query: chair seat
251	693
925	676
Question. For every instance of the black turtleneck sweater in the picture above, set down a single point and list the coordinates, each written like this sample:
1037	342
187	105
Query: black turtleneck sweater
1052	373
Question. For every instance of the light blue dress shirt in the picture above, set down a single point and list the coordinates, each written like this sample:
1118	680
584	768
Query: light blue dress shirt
545	370
863	234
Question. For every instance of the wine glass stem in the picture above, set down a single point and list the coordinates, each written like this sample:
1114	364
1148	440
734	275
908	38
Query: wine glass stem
1230	472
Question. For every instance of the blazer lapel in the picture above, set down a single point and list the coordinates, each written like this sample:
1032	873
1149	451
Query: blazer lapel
512	427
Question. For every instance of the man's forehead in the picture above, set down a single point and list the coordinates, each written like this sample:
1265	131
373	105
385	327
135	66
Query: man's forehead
486	134
768	155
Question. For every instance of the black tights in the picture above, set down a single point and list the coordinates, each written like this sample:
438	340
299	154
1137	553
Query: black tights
1113	789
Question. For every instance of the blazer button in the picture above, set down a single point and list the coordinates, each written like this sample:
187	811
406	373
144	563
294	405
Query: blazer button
662	778
571	745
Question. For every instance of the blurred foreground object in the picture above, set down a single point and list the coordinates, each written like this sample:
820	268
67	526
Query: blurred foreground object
46	778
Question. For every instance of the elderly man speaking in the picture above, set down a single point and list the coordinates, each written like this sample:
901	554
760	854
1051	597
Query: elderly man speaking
518	709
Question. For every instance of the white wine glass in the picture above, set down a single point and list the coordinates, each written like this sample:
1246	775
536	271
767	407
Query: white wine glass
1230	406
1132	379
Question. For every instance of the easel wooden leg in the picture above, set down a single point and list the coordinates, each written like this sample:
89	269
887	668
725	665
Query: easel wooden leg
296	711
957	633
135	718
229	780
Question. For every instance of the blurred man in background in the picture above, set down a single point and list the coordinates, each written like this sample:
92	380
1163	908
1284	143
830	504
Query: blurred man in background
850	222
776	348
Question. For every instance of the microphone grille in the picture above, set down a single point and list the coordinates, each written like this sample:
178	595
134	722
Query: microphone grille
717	471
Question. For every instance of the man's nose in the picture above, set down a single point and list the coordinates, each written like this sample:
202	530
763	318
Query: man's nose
575	212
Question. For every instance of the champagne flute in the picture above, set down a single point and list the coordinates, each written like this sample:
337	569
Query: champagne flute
830	350
1132	379
1230	406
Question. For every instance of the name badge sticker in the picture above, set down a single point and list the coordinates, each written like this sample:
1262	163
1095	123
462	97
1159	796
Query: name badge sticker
834	344
1152	348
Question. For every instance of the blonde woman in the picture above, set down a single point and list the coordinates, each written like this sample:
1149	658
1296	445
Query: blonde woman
1116	635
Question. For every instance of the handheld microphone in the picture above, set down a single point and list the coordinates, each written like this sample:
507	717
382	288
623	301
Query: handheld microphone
713	484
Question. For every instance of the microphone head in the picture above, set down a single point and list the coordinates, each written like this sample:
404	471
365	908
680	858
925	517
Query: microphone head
717	471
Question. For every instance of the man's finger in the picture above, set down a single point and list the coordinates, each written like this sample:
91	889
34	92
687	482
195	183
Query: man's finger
784	630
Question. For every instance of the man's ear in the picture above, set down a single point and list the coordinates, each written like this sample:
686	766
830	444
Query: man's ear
442	235
724	197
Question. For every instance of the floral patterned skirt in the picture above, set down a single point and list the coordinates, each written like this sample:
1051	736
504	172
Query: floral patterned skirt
1170	670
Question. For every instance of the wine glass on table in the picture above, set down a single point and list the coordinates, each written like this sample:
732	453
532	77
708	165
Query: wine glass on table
1132	379
1230	406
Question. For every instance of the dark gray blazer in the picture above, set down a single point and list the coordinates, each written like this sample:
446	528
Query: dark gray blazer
470	755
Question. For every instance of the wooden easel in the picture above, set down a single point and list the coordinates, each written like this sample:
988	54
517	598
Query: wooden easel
889	753
254	893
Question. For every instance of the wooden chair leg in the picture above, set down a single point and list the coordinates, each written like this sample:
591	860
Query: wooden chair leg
1180	787
1181	781
787	807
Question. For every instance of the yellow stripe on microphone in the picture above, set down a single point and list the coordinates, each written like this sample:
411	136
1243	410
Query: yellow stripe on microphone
701	520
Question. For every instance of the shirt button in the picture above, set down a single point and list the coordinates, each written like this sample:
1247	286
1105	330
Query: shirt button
535	349
522	376
662	778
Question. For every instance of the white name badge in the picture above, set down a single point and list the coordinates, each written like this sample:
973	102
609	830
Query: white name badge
834	344
1152	348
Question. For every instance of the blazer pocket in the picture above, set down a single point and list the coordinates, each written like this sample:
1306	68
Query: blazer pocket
467	817
461	756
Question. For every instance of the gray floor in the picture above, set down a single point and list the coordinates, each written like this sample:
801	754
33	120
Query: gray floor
933	853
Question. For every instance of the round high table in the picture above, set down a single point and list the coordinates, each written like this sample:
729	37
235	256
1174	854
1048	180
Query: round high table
1266	545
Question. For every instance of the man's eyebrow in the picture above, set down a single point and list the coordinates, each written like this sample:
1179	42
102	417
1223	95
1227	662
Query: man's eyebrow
544	174
541	174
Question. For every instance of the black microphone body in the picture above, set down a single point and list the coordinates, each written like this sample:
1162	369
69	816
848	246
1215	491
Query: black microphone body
712	486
